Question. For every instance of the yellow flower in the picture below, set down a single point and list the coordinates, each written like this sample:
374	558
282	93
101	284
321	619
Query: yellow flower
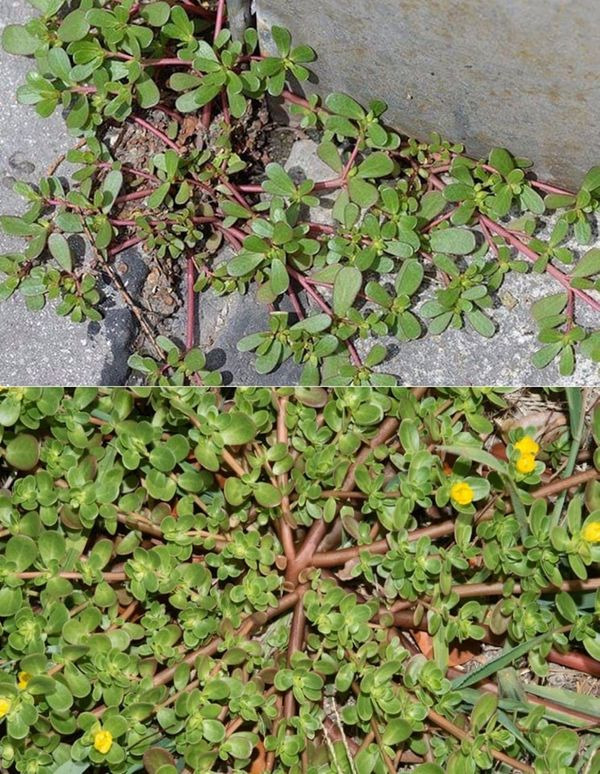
24	678
527	445
461	493
5	705
526	463
591	533
103	741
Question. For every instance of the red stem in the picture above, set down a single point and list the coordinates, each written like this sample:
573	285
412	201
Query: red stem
125	245
235	244
220	17
547	188
225	109
570	310
488	238
289	96
325	185
157	133
130	197
324	229
437	221
532	256
207	115
352	159
166	62
131	170
354	356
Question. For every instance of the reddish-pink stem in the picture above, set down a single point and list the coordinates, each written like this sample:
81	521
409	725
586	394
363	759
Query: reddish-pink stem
121	222
125	245
156	132
488	238
225	109
206	115
235	244
204	219
352	159
296	303
250	188
130	197
438	220
322	227
289	96
166	62
554	189
354	356
234	190
120	55
170	112
131	170
220	18
325	185
532	256
436	182
570	310
237	233
64	203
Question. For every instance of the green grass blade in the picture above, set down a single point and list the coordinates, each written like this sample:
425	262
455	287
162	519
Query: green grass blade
501	661
575	399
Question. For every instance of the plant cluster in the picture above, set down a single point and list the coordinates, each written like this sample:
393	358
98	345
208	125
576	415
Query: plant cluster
407	215
235	581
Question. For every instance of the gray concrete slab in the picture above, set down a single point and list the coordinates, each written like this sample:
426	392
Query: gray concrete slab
522	74
40	347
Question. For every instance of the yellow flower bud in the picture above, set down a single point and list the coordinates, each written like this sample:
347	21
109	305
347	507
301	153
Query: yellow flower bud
103	741
527	445
24	678
5	705
591	533
461	493
525	464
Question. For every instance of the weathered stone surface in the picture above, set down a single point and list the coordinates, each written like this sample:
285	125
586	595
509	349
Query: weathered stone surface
517	73
223	322
40	347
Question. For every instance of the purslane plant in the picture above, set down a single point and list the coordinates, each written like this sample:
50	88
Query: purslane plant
235	581
423	214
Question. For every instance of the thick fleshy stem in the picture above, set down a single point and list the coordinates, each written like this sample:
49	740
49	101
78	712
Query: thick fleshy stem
125	245
354	356
251	188
131	170
220	18
233	241
156	132
570	310
551	189
289	96
225	109
532	256
295	301
134	195
287	536
206	115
